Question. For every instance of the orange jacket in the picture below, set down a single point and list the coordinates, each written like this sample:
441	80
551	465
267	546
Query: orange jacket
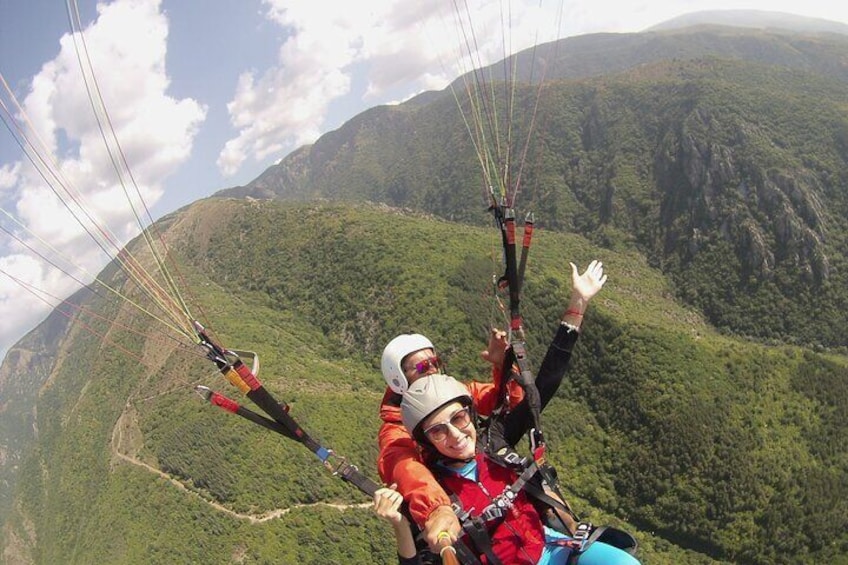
400	460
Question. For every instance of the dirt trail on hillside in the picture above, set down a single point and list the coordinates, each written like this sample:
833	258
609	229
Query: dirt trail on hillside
125	421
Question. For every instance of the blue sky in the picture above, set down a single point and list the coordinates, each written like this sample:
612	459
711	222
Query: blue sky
205	95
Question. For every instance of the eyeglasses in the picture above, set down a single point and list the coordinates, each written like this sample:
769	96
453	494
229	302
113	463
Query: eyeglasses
430	363
459	421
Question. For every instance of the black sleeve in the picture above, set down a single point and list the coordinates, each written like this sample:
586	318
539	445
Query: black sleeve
552	369
548	380
409	560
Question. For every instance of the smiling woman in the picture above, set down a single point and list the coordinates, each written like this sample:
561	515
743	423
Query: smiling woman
499	519
456	420
110	211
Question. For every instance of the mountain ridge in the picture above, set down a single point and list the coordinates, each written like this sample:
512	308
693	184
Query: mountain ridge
660	415
685	160
758	19
706	397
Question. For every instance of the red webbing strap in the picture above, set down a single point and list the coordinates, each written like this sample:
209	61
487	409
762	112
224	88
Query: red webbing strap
217	399
529	220
257	392
513	278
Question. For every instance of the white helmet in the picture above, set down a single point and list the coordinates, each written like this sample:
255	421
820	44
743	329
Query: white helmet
428	394
393	356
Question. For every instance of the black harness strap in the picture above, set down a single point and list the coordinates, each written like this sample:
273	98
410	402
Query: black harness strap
585	535
280	420
464	553
343	469
475	529
527	381
555	503
351	473
533	476
517	355
505	219
501	504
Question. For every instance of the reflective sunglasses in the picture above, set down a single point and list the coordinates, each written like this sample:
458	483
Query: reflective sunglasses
430	363
459	421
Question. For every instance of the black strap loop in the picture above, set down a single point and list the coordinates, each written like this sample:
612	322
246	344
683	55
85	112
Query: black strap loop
475	529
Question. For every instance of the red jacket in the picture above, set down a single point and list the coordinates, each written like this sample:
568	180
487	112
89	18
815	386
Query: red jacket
400	460
519	537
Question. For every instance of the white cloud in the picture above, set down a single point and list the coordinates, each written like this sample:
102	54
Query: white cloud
350	55
398	44
285	107
8	176
127	47
406	47
21	307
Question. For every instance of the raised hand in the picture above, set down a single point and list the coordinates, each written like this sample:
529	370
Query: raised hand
496	350
588	284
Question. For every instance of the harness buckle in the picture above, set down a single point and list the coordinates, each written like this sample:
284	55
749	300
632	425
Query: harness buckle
342	468
583	531
461	515
512	458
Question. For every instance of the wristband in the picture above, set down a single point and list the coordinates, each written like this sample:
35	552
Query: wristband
573	313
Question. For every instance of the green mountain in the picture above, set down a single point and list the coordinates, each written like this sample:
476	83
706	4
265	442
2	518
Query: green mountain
26	368
719	153
710	449
706	403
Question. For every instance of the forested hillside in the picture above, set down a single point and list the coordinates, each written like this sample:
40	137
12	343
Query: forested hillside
709	448
25	369
705	407
718	153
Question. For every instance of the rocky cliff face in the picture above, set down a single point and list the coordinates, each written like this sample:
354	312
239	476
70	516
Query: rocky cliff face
716	190
26	368
700	147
